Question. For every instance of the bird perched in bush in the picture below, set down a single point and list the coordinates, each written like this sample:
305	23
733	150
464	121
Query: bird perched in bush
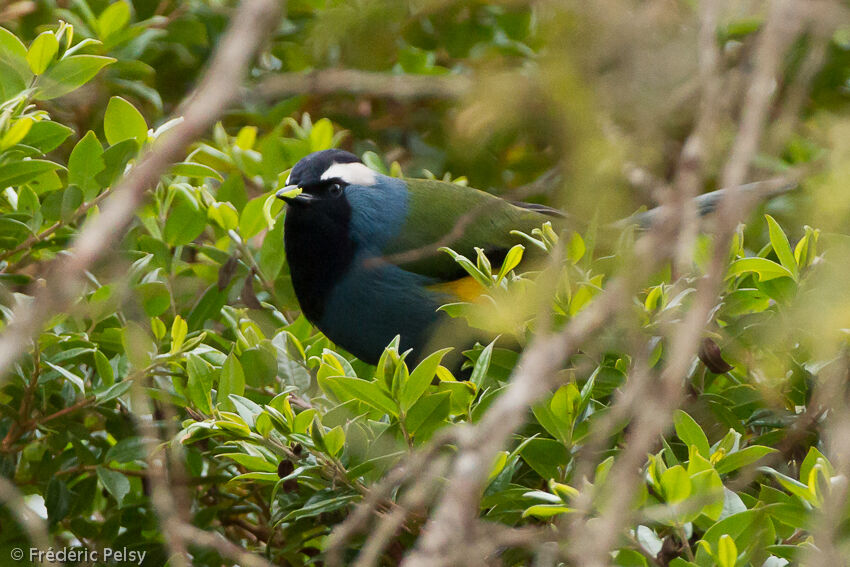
358	242
347	223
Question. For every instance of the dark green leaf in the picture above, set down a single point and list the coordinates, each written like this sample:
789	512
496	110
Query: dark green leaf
115	483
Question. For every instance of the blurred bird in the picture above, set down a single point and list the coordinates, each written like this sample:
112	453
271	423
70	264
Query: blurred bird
346	234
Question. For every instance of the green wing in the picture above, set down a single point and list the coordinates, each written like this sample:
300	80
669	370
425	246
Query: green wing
447	214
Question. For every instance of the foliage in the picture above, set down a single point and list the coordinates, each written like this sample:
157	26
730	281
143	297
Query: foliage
279	433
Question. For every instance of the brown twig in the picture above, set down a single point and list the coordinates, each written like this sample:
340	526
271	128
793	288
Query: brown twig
363	83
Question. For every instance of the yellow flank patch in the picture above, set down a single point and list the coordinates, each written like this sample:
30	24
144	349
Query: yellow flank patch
464	289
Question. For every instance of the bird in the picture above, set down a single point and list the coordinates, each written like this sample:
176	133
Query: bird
357	240
342	230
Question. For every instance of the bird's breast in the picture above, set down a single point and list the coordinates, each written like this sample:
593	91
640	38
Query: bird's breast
376	301
320	254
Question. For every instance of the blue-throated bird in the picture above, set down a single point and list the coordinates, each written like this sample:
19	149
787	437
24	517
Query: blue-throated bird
348	223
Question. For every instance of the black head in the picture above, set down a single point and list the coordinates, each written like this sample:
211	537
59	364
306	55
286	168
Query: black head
309	170
323	176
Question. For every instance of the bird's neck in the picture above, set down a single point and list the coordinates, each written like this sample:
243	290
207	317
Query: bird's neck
319	252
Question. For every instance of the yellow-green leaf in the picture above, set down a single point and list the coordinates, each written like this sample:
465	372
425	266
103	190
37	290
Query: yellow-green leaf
122	122
727	552
766	269
780	245
42	52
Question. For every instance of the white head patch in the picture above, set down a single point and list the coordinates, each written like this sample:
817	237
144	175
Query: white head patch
351	173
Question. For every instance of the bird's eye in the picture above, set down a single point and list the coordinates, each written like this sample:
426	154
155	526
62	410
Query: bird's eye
335	189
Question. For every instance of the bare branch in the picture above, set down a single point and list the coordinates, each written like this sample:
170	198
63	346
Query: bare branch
362	83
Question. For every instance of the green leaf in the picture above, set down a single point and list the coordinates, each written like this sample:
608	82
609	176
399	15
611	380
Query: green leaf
511	261
546	456
123	122
546	510
46	135
259	364
268	477
104	369
251	220
42	52
85	162
428	413
795	487
232	381
19	172
780	245
115	483
137	344
57	500
251	462
13	54
576	248
707	489
113	19
810	461
196	170
691	433
116	158
479	371
69	74
200	383
225	216
766	269
334	441
321	135
367	392
113	391
271	260
179	329
73	378
727	552
742	458
127	450
155	296
420	379
247	410
468	266
320	506
16	132
186	220
208	307
676	484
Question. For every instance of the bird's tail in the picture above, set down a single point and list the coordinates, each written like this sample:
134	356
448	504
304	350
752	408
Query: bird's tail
707	203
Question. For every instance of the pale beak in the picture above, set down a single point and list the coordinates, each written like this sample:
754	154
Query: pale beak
293	195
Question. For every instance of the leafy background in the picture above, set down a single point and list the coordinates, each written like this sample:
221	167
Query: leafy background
189	345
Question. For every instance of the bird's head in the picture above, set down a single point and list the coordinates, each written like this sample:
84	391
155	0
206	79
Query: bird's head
333	194
322	178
